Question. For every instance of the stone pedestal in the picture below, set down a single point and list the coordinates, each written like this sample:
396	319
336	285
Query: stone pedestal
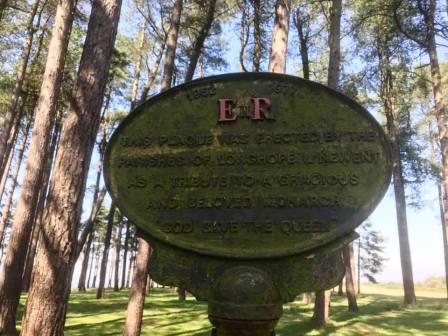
244	302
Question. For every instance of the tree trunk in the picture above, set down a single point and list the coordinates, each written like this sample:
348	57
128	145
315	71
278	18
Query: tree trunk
10	278
88	233
198	45
91	263
340	288
32	246
359	266
85	264
96	268
350	276
153	73
125	255
244	33
148	285
107	238
334	64
9	199
111	270
442	123
181	294
303	41
88	226
10	144
257	36
11	112
441	209
137	293
322	302
306	298
171	44
117	256
387	95
321	308
50	288
138	67
279	47
130	269
5	175
444	235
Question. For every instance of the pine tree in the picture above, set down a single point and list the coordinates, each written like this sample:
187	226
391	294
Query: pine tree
50	289
11	274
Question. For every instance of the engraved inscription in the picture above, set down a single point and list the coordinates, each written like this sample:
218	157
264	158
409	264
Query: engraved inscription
254	168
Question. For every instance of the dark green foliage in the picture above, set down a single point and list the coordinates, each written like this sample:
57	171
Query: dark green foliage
371	251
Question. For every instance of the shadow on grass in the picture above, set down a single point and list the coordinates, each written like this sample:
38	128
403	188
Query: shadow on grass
378	315
164	315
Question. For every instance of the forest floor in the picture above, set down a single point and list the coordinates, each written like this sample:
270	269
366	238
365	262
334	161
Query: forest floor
381	313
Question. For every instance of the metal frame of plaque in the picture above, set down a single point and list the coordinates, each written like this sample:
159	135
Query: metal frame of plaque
247	186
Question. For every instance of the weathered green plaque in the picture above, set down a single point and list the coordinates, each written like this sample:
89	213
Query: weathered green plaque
263	174
248	166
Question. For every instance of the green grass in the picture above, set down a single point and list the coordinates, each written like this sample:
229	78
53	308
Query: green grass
381	313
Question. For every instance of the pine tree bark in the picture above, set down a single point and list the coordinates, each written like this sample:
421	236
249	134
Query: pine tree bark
442	123
111	270
279	47
88	225
340	288
387	96
244	33
88	234
322	301
181	294
117	256
10	278
11	112
441	209
10	144
85	263
198	44
130	269
138	68
334	64
32	246
15	175
306	298
257	36
138	290
303	42
56	255
92	262
153	73
321	308
359	266
171	44
96	268
125	255
5	175
350	287
444	235
107	238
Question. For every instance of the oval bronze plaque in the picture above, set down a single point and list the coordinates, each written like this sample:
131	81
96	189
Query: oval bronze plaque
248	165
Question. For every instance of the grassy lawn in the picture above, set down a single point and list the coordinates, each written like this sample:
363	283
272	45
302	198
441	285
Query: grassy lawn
381	313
